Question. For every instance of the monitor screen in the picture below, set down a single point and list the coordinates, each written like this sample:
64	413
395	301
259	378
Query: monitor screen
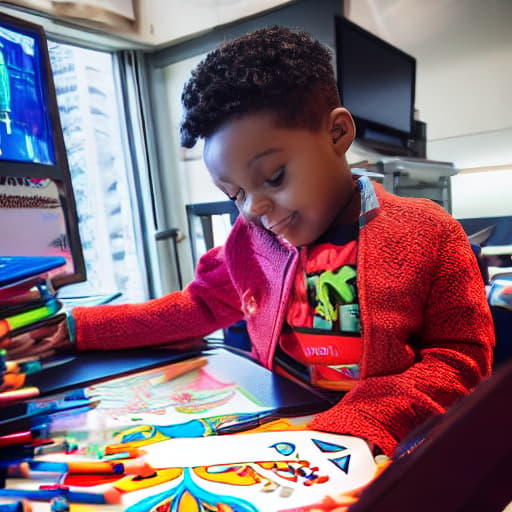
377	84
25	129
37	207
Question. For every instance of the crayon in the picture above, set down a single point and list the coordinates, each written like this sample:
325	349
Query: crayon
81	394
122	451
47	493
77	394
3	363
17	453
38	419
166	373
28	317
26	359
246	422
18	394
176	369
24	437
132	467
17	506
15	367
77	467
36	364
64	446
11	381
13	308
29	289
38	407
95	467
13	339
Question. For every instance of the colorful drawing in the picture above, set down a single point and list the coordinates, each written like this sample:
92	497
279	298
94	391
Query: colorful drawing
153	406
258	472
197	392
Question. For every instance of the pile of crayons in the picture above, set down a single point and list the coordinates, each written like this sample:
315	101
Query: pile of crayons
29	310
27	304
25	433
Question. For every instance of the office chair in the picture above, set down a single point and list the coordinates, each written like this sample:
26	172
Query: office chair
204	213
501	315
202	238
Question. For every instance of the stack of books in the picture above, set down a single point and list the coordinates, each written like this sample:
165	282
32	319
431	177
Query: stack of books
29	314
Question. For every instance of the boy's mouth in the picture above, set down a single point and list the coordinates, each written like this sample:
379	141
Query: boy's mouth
279	226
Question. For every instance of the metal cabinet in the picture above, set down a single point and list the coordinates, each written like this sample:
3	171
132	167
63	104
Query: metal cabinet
411	177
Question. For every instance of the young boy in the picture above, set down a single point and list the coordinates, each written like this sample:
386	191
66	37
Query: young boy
342	284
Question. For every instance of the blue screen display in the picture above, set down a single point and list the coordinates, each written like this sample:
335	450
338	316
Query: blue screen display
25	127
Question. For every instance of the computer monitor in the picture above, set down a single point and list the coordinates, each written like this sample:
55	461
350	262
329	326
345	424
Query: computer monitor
37	207
377	85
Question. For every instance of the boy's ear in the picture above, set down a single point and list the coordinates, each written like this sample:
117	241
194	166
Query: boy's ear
341	128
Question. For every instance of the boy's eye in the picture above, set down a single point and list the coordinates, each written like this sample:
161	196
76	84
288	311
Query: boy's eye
277	178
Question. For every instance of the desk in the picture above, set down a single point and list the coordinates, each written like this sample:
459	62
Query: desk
261	470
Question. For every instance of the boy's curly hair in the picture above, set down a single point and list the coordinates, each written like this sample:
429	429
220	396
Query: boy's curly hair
275	70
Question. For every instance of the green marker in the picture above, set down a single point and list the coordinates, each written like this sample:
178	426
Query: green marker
32	316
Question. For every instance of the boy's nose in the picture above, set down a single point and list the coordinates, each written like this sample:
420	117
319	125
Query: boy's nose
256	206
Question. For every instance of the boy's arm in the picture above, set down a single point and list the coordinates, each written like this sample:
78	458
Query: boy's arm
454	354
208	303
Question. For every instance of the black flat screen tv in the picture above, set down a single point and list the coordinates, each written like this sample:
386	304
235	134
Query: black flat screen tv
37	208
377	85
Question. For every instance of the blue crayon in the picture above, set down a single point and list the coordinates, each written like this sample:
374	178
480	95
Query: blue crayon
50	494
18	506
3	354
80	394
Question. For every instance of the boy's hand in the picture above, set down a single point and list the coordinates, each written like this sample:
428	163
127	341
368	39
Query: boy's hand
41	342
54	336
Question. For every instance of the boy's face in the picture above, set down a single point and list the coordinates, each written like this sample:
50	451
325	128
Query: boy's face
294	182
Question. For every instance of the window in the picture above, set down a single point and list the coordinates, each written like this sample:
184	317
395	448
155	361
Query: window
92	120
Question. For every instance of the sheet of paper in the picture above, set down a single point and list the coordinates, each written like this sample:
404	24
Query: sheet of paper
265	472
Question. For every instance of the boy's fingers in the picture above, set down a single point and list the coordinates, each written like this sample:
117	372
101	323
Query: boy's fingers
43	332
57	332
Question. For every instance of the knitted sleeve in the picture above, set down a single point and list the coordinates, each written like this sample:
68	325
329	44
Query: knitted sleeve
208	303
451	353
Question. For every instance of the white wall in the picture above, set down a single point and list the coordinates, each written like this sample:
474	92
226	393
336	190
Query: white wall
464	71
483	193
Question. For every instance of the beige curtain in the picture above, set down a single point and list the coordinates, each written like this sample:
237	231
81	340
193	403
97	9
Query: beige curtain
118	15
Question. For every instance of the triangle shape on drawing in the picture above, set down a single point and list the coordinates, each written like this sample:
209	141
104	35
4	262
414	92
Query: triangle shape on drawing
324	446
342	463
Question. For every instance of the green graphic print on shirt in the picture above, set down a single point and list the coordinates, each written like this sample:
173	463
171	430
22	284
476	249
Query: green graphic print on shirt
323	315
335	295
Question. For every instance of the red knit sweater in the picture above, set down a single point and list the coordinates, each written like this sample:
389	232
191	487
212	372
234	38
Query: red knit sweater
427	333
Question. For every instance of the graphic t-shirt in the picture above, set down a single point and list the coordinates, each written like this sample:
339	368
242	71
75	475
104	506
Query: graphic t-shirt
321	342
